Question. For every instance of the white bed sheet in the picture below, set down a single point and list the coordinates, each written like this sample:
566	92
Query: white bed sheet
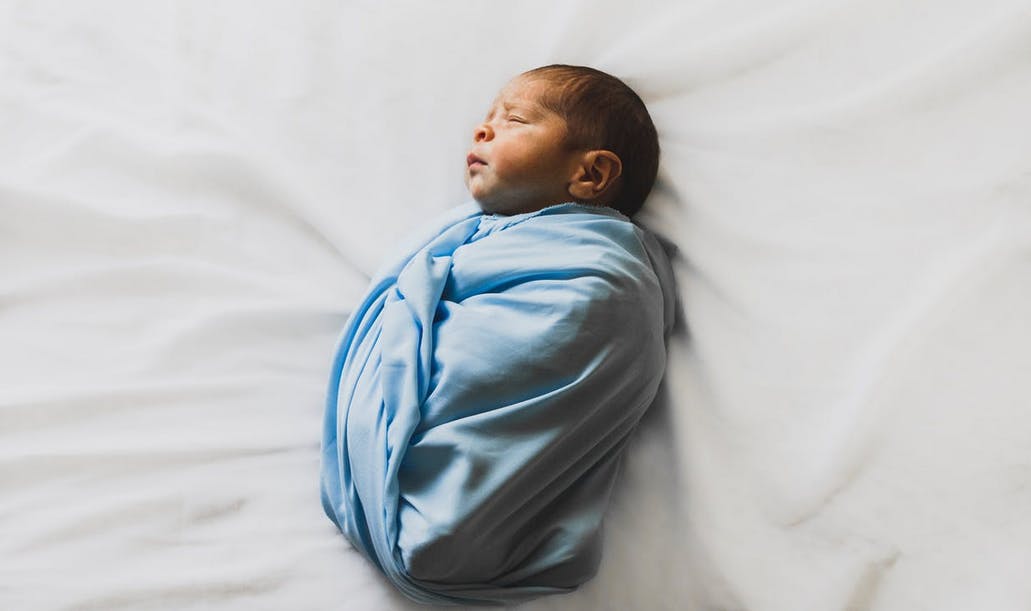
193	195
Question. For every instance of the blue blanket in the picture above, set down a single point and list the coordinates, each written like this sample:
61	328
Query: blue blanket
482	394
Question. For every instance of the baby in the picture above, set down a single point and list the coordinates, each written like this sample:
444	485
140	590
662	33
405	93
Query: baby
485	388
561	134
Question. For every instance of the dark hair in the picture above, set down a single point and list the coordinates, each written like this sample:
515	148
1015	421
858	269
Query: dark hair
602	112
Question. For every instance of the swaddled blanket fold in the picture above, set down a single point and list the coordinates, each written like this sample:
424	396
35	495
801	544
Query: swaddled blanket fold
482	394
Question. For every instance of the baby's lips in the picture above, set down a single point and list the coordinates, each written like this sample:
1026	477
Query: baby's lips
471	159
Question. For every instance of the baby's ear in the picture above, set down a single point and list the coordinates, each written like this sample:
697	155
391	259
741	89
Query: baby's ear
595	175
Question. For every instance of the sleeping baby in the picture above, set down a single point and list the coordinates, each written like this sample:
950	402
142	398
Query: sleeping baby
484	390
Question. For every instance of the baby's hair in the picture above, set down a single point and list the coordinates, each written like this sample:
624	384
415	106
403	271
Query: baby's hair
602	112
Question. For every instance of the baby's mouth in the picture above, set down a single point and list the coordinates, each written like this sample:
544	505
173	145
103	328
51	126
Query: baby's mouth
473	161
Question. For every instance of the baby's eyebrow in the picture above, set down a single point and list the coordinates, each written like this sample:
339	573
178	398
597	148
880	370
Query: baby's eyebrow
529	108
505	107
524	107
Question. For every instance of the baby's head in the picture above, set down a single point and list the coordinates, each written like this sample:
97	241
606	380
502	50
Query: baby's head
563	133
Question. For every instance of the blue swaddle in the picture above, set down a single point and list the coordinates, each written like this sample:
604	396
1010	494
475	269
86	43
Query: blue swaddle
482	394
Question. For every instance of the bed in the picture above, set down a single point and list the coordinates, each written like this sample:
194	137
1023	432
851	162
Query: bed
193	196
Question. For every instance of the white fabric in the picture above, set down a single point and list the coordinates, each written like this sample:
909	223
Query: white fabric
193	195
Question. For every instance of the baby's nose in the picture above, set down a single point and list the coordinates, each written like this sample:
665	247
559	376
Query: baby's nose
482	132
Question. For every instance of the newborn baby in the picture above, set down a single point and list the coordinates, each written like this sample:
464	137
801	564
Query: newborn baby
560	134
484	390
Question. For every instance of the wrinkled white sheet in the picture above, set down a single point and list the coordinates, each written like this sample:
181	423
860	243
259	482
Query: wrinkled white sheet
193	194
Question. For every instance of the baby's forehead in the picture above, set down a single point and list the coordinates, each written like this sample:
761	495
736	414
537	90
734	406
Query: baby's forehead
526	91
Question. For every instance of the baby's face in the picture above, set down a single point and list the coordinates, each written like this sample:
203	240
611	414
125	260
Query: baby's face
518	162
